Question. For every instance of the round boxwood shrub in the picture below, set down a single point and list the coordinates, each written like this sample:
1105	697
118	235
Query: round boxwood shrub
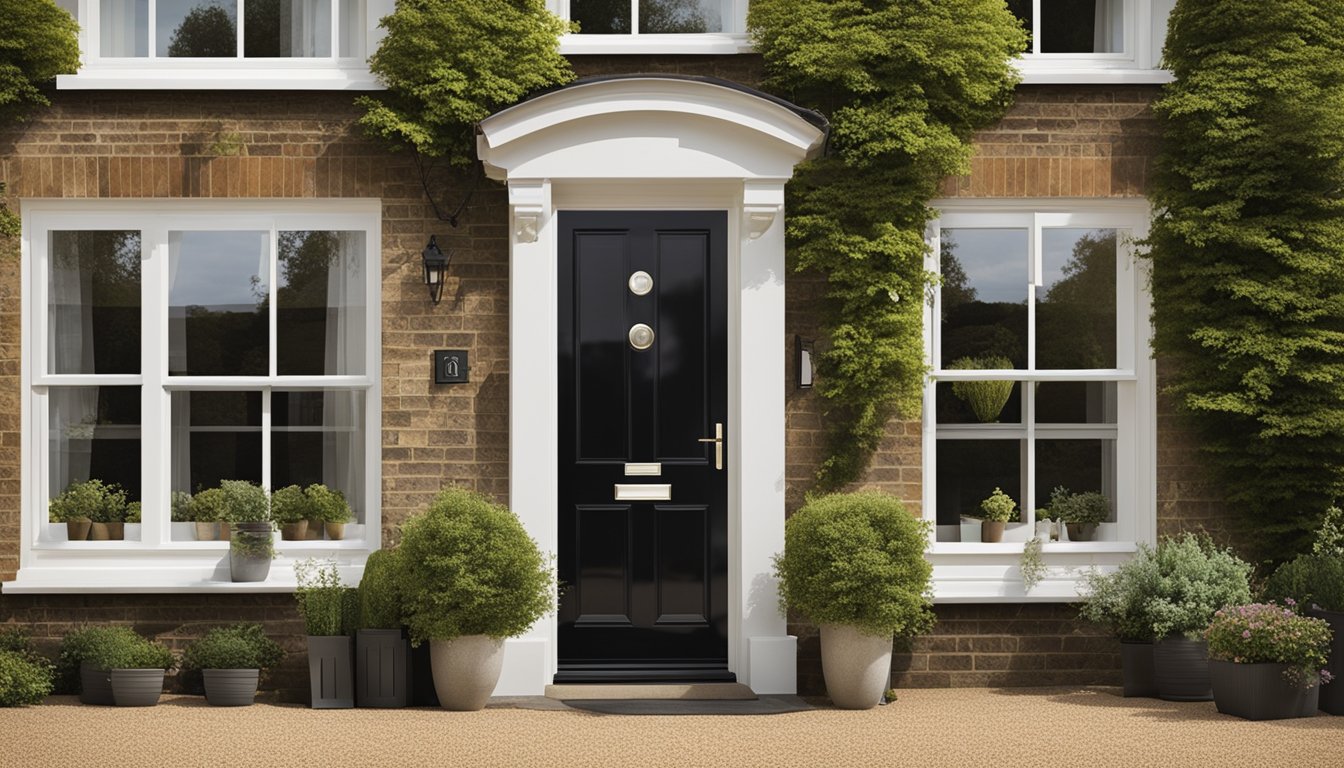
290	505
124	649
90	499
1195	579
379	592
76	647
240	646
467	567
857	559
206	506
327	505
245	502
23	680
1309	581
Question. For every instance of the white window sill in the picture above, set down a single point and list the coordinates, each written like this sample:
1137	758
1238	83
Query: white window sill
174	572
992	573
217	76
1034	74
709	43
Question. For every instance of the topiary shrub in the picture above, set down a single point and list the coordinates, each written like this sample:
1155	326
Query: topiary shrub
321	596
89	499
23	680
207	506
327	505
290	505
379	592
244	502
1308	581
1195	579
986	398
467	567
240	646
857	559
1120	600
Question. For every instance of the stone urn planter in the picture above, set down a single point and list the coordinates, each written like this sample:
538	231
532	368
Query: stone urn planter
1136	668
136	687
231	687
1332	693
1260	691
1181	669
466	670
856	666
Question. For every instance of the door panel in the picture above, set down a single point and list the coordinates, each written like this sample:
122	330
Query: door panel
645	582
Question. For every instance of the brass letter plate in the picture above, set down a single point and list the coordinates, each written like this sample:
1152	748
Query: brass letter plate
643	492
653	469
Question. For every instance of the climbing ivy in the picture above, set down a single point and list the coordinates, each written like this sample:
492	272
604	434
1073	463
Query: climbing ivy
1247	249
904	83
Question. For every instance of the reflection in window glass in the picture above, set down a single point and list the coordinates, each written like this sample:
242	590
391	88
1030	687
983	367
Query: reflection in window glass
320	306
197	28
978	402
215	436
1082	26
1078	465
318	437
218	315
94	433
1076	402
1075	310
681	16
970	470
984	297
93	302
286	28
352	29
124	28
601	17
69	6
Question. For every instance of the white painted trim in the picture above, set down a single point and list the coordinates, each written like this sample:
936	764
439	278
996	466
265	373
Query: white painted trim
701	44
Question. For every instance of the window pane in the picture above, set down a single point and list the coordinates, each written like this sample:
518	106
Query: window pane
1075	310
94	434
215	436
286	28
1076	402
984	296
978	402
352	28
124	28
970	470
207	28
1024	10
685	16
601	17
69	6
320	306
218	317
1078	465
318	437
1082	26
93	302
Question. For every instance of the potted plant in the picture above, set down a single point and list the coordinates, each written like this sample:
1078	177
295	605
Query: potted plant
1195	579
1266	661
290	509
470	576
331	508
25	676
251	546
1119	600
985	398
132	666
382	655
231	661
206	510
322	601
997	510
80	505
1081	512
853	564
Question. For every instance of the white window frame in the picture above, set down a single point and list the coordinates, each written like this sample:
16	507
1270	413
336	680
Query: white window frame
156	562
1145	31
977	572
237	73
733	39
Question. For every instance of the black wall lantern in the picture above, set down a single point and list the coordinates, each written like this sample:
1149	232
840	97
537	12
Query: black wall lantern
802	361
436	268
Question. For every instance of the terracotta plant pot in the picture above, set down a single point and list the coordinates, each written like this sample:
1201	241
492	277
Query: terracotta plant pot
1260	692
98	532
335	531
77	530
991	531
855	665
314	531
225	531
466	670
1136	668
207	531
1081	531
294	531
230	687
1181	669
116	531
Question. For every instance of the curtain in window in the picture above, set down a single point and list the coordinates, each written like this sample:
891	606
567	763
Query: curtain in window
70	350
1110	27
342	412
124	28
306	28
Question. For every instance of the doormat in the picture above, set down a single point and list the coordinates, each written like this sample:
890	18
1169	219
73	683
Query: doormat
765	705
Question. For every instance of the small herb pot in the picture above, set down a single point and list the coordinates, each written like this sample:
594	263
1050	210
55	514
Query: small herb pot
116	531
98	532
314	530
335	531
1260	691
294	531
207	531
78	530
991	531
1081	531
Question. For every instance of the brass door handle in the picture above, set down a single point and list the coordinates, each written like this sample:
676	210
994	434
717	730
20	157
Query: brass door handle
717	440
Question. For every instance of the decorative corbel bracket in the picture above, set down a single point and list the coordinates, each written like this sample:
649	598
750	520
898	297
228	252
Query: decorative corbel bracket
528	201
761	203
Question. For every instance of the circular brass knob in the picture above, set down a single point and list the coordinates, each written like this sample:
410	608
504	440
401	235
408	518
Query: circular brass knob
641	283
641	336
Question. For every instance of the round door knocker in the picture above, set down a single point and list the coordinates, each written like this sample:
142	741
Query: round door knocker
641	283
641	336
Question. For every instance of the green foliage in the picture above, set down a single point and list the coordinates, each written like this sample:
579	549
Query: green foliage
122	648
998	507
1247	244
290	505
1309	581
905	83
249	544
379	592
1120	600
240	646
466	566
75	648
10	223
1195	579
1087	507
180	504
38	41
986	398
857	559
327	505
133	512
1330	536
448	64
1031	564
90	499
207	506
1271	634
23	680
244	502
321	596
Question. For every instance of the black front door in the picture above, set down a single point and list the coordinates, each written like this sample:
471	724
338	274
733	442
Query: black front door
643	554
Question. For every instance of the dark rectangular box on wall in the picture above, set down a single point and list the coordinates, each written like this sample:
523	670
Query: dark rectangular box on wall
450	366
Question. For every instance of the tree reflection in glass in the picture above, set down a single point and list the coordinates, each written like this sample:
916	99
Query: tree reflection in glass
197	28
1075	309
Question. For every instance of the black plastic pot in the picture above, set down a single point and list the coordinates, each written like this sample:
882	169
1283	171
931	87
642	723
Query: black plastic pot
1181	669
136	687
1332	694
382	668
95	685
1136	667
423	693
230	687
330	671
1260	692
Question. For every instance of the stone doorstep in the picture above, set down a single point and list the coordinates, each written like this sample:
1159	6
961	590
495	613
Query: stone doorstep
662	691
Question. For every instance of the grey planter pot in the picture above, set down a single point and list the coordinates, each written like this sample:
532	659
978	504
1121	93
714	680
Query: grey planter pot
244	567
231	687
1181	669
382	668
1081	531
1136	667
330	671
1332	694
1259	692
95	686
136	687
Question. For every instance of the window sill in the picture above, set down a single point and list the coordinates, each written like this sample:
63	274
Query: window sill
992	573
178	572
709	43
1035	74
200	77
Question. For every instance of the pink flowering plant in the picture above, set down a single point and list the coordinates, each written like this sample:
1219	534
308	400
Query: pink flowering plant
1269	633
